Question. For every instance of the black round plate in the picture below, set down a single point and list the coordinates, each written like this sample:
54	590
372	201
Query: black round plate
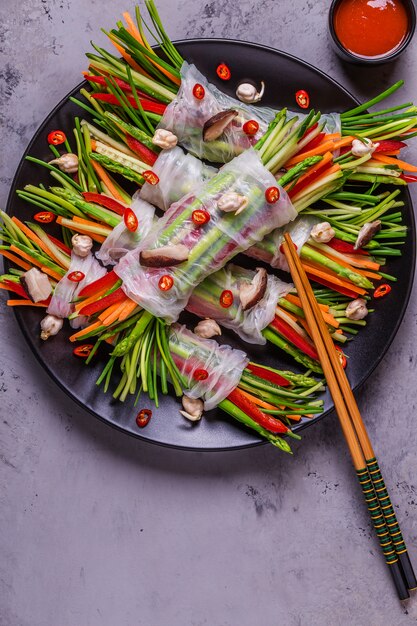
283	76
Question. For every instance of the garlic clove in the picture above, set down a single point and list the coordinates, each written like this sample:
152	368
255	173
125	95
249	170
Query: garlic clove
232	201
193	408
81	245
364	146
322	233
246	92
207	329
50	325
67	163
165	139
357	309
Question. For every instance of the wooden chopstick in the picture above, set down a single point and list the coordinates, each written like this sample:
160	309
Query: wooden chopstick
363	456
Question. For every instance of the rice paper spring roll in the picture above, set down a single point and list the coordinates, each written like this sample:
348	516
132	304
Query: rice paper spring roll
179	174
186	116
269	249
121	239
66	290
196	237
210	371
241	299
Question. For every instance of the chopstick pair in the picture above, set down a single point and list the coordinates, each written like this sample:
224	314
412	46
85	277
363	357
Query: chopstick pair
363	457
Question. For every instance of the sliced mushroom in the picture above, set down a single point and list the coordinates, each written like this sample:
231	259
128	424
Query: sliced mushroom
366	233
251	293
36	284
216	125
164	256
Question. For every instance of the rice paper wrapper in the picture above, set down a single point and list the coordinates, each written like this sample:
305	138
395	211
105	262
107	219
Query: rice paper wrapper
179	174
210	245
185	116
269	250
121	239
224	365
66	290
249	324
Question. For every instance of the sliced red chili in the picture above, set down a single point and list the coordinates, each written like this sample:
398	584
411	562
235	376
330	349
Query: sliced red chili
302	99
44	217
272	195
226	298
76	277
150	177
83	351
223	72
198	91
166	282
200	217
382	291
130	220
143	418
251	127
341	356
56	137
200	374
103	200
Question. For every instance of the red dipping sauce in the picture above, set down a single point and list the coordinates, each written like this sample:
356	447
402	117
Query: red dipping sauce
371	28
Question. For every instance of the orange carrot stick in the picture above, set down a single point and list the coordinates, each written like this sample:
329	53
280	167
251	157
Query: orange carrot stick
331	277
32	261
91	299
102	174
128	59
325	147
15	260
257	401
129	307
31	235
407	167
25	303
84	331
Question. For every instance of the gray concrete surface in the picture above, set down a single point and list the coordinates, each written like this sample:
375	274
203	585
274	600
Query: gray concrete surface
98	529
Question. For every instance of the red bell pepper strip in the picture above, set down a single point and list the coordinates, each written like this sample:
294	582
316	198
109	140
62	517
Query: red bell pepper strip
266	374
284	329
309	130
102	200
147	155
105	282
408	178
16	288
266	421
312	144
103	303
345	247
387	145
311	177
100	80
343	290
60	245
147	105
